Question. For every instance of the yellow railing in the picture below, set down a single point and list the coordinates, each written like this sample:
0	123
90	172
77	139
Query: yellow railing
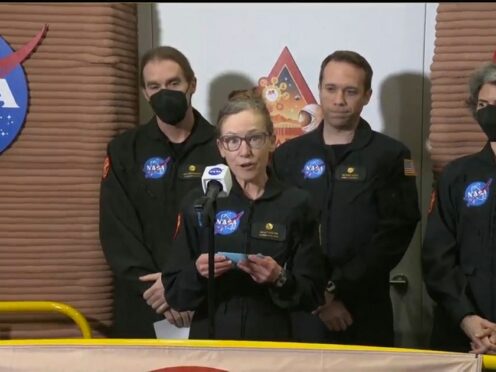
48	306
488	361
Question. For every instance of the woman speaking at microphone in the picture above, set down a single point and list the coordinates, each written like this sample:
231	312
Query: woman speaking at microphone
268	259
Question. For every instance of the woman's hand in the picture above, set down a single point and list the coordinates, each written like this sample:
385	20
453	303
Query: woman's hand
262	269
221	265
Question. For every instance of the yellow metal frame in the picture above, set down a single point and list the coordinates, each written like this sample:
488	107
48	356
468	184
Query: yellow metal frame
488	361
48	306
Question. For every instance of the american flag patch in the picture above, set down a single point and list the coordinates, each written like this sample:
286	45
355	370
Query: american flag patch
409	167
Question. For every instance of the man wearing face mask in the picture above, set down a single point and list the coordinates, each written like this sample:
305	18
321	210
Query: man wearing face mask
147	172
460	240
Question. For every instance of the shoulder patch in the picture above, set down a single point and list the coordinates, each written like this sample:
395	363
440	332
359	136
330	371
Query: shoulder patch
178	225
432	203
106	167
409	167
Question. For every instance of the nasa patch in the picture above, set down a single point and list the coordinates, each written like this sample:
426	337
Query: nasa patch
476	193
227	222
156	167
313	168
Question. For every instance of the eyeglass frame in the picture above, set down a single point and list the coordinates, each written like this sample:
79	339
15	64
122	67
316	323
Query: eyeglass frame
246	139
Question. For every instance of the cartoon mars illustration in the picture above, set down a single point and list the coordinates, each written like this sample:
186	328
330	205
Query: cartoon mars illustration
310	117
291	104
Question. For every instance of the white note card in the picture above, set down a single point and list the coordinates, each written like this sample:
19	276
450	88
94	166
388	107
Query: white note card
165	330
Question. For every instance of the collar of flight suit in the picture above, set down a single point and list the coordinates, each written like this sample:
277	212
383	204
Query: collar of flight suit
273	187
487	154
202	131
363	135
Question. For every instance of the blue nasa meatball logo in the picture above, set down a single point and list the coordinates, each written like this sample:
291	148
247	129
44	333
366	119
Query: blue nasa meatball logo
13	98
215	171
14	88
227	222
314	168
156	167
476	193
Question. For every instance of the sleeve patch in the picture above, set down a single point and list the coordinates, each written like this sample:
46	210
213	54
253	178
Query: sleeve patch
178	225
432	202
106	167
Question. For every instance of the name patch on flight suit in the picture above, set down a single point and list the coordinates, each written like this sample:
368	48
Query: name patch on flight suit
350	173
268	230
187	171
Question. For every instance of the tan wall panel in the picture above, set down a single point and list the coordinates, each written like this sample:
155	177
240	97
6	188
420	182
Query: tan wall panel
83	91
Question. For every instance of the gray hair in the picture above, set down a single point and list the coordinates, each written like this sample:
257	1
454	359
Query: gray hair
483	75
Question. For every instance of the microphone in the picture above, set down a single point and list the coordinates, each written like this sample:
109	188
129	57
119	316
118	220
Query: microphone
217	181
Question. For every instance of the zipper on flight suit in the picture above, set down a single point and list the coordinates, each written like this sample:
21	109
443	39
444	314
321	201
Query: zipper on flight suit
244	312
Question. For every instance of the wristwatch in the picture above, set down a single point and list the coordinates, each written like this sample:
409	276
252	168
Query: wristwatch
281	279
331	287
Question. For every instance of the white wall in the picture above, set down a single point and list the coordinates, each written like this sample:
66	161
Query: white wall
247	39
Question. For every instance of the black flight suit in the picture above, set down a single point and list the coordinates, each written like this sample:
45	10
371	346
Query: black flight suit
369	211
139	203
280	224
458	254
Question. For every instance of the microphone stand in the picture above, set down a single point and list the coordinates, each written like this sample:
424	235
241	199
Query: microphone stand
204	209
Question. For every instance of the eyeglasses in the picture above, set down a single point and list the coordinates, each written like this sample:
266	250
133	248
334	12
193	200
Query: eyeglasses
233	142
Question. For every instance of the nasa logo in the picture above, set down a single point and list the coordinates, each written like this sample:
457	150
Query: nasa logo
215	171
314	168
14	88
227	222
156	167
476	193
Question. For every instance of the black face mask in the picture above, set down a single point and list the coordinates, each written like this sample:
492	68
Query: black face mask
169	105
486	117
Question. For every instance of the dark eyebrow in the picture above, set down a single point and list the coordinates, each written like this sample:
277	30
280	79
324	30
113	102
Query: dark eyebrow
346	87
167	82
